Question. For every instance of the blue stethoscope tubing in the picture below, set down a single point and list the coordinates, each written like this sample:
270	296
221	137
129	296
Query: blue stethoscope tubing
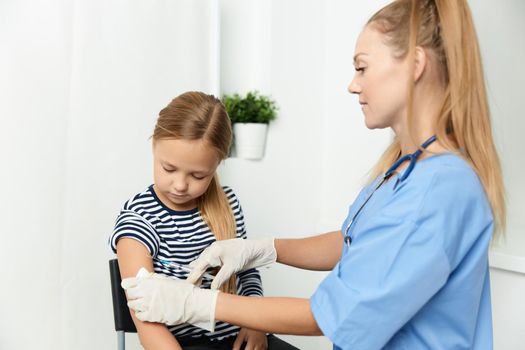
410	157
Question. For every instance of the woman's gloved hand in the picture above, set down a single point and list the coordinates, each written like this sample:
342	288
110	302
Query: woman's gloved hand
156	298
233	255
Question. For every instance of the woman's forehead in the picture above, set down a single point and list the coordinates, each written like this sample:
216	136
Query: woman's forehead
370	43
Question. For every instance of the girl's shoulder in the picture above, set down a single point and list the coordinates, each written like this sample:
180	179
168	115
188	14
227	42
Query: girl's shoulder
140	200
233	200
230	194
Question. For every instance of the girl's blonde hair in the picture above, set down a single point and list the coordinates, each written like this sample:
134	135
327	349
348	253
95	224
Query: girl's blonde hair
198	116
445	29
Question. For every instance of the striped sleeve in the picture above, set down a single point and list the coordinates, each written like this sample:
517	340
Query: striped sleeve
251	283
250	280
132	225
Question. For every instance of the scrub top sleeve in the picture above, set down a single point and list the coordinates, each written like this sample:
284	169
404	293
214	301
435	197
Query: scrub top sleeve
393	267
460	209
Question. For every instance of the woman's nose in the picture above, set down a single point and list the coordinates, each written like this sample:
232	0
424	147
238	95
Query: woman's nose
354	87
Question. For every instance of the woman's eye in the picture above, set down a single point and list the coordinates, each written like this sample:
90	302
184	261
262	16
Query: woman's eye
168	170
360	69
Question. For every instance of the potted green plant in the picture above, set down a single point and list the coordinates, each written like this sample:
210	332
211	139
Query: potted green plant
250	116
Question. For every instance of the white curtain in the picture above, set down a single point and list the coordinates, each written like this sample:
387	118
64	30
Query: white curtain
81	85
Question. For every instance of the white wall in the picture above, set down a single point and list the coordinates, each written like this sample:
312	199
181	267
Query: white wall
283	200
311	170
82	84
132	63
35	70
500	29
508	309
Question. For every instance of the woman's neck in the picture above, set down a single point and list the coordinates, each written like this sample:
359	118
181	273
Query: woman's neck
424	118
411	144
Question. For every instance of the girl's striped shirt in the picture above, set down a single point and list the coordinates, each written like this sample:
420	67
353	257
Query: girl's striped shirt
180	237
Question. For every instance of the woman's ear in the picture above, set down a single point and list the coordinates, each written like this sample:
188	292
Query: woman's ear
420	63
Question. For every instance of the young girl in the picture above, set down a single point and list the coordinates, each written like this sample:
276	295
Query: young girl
410	263
166	226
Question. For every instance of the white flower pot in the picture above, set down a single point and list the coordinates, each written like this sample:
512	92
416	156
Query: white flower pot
250	140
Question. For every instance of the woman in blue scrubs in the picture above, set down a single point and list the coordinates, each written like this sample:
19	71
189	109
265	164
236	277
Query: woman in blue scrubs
409	265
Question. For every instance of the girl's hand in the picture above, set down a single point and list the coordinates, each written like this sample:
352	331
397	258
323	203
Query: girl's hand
254	340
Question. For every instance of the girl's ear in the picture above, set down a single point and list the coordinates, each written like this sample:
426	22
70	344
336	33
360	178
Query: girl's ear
420	63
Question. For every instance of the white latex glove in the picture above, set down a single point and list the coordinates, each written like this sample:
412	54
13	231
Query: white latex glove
233	255
157	298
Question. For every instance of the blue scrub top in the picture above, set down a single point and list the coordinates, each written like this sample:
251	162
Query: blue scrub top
416	275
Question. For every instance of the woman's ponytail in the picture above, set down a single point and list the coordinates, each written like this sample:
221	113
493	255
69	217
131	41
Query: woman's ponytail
446	29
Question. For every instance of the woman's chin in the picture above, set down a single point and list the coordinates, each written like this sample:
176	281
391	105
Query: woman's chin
374	124
371	125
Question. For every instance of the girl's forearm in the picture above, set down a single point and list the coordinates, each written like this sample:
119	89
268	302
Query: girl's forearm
319	253
133	255
272	315
155	336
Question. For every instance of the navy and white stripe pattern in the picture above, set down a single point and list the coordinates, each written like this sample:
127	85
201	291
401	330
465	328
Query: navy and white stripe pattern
180	237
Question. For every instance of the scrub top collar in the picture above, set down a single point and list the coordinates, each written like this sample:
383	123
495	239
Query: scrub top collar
409	157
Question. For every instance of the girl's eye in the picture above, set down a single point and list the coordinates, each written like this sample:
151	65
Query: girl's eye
198	177
168	170
360	69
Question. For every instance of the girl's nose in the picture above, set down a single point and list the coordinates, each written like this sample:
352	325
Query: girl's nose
180	184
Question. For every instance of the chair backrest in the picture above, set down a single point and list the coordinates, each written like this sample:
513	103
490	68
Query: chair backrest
123	321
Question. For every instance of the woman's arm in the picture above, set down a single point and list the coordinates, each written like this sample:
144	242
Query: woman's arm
319	252
132	255
273	315
284	315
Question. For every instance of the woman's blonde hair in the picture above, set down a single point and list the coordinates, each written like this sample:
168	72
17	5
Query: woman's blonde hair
445	29
197	116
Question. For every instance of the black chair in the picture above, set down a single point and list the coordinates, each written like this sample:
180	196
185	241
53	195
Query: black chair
123	322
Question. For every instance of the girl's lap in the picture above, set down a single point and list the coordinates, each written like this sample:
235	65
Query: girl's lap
274	343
